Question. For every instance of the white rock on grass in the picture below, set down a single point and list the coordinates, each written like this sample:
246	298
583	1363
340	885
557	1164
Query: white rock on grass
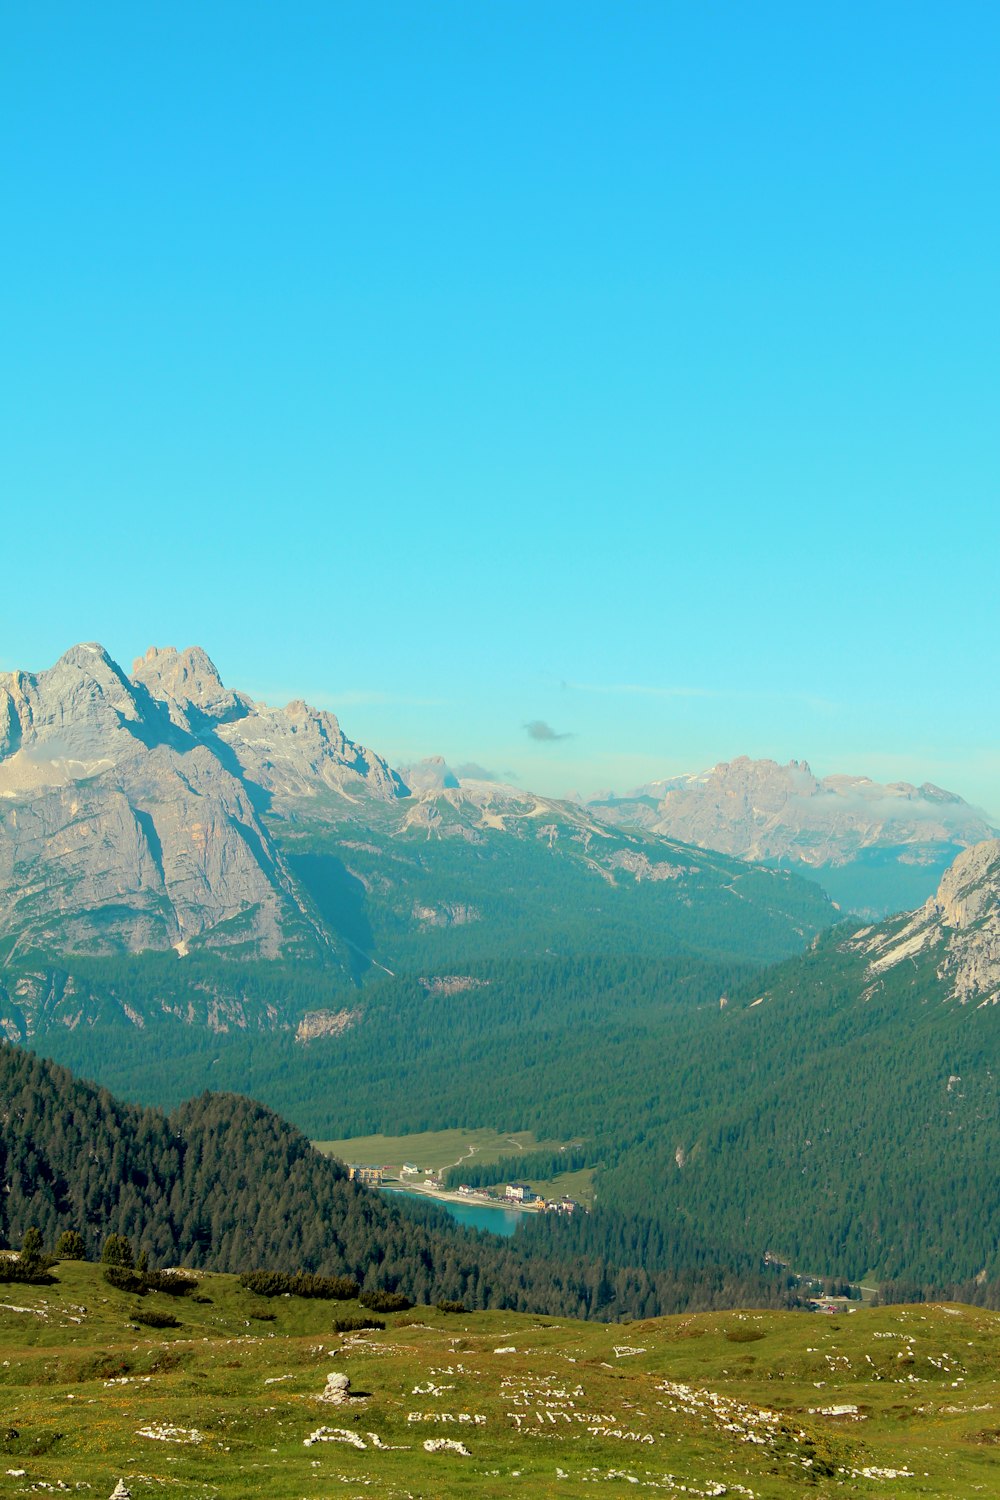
162	1432
445	1445
334	1435
121	1492
338	1390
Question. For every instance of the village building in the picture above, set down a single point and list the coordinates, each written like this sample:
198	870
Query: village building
369	1176
520	1192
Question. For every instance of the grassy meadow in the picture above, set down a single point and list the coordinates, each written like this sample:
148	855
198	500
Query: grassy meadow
434	1150
901	1400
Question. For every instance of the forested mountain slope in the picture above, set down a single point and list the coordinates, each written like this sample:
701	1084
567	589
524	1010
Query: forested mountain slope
226	1184
839	1112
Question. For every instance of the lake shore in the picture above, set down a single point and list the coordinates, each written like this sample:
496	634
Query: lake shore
442	1195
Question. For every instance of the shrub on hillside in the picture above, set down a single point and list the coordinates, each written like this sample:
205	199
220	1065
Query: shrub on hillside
451	1307
356	1324
150	1318
379	1300
174	1283
11	1269
118	1252
30	1264
301	1284
71	1245
124	1279
744	1335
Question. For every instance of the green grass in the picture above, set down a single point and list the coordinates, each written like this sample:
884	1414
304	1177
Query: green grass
78	1381
433	1150
578	1185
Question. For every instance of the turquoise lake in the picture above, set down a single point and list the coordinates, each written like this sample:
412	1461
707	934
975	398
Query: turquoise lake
472	1215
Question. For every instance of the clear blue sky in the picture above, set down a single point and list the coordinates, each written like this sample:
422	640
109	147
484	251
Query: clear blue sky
633	368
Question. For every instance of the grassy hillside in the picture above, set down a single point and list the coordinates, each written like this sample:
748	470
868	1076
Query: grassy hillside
764	1406
433	1150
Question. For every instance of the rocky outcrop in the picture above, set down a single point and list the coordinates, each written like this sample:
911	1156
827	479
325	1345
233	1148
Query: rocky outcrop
337	1391
317	1023
960	925
452	984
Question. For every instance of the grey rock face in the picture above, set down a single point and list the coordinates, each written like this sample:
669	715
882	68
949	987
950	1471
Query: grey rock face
189	685
129	821
291	753
961	923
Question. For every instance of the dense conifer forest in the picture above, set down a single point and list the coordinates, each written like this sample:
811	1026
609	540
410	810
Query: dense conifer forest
223	1183
840	1130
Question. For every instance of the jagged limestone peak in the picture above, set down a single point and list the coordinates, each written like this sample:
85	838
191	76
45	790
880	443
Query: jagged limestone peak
188	679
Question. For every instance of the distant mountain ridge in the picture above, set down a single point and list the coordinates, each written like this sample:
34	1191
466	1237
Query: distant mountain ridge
164	810
875	847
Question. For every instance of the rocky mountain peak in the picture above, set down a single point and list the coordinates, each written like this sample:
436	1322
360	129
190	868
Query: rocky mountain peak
432	774
131	810
293	752
969	892
189	684
76	713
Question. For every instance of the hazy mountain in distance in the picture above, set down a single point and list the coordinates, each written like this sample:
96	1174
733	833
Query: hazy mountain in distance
874	847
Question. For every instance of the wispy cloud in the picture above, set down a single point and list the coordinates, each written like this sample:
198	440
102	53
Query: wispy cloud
371	696
471	770
539	730
644	690
731	695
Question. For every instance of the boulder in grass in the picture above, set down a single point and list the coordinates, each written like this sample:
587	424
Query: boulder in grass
338	1389
121	1491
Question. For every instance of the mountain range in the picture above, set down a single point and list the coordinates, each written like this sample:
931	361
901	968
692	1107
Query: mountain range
164	811
875	848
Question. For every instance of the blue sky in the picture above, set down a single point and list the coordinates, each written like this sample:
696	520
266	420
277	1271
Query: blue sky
633	369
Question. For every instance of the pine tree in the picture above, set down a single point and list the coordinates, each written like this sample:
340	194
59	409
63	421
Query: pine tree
71	1246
